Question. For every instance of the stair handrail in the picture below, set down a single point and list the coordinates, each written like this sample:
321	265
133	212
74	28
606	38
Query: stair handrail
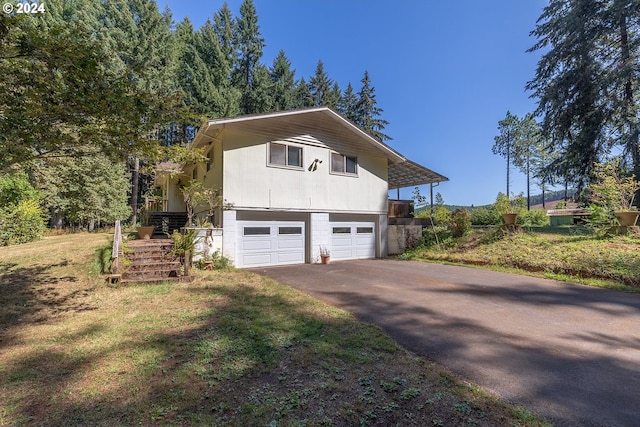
115	250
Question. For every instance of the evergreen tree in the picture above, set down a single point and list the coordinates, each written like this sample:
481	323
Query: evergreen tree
348	105
586	79
622	23
283	83
259	98
320	86
367	111
249	47
334	97
226	30
505	143
302	95
216	97
528	141
142	47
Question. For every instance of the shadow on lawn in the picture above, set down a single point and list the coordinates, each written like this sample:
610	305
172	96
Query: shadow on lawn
249	357
36	293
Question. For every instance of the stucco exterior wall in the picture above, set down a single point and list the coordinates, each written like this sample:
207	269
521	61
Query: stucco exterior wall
249	182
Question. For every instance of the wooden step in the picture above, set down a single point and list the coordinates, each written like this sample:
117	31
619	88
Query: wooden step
150	261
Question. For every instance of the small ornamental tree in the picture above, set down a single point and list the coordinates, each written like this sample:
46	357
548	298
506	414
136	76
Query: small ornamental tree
610	189
193	194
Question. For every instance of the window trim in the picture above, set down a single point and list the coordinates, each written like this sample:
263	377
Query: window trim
344	165
286	156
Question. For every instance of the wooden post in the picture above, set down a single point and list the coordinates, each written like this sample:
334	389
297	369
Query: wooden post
187	259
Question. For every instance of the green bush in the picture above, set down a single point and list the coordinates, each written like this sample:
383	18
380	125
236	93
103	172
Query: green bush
533	218
460	222
21	223
21	217
485	216
437	235
218	261
441	216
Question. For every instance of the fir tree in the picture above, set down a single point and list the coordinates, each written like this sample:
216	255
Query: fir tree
584	81
367	111
320	86
249	47
226	30
216	97
348	105
302	95
283	83
259	98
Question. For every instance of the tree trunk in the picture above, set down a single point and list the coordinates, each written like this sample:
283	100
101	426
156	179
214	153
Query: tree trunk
528	187
633	139
508	160
135	177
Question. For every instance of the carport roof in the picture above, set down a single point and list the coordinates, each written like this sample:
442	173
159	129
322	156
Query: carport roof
328	125
410	174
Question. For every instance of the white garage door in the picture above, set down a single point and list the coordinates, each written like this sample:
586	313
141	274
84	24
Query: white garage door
353	240
262	243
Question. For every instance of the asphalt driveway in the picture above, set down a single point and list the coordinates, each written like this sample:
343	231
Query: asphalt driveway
568	352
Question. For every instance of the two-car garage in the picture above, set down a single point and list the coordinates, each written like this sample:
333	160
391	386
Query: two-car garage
280	242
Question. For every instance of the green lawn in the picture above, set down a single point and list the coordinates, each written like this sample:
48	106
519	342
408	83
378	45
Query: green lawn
229	349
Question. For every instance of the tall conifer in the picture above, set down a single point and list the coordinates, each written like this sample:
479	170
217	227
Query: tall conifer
283	83
249	48
367	111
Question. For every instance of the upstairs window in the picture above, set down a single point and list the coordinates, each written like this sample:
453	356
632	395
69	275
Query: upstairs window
344	165
285	155
209	160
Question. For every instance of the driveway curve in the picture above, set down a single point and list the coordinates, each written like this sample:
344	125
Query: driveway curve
568	352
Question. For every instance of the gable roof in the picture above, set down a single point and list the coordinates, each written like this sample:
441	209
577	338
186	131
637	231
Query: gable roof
329	126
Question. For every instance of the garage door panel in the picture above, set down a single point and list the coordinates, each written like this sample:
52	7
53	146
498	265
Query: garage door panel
255	260
256	245
353	240
264	243
291	243
289	257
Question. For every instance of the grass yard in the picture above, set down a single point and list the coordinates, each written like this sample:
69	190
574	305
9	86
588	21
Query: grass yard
571	253
229	349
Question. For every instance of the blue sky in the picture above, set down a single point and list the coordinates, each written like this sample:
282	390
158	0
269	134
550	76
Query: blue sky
445	72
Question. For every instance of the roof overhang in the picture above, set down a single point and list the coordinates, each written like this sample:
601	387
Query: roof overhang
321	122
326	125
411	174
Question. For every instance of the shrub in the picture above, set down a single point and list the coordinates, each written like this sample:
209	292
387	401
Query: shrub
438	235
533	218
21	223
600	217
441	216
485	216
218	261
460	222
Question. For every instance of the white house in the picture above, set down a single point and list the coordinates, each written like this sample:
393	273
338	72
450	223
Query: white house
299	181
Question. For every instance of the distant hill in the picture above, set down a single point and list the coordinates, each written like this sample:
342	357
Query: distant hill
551	198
